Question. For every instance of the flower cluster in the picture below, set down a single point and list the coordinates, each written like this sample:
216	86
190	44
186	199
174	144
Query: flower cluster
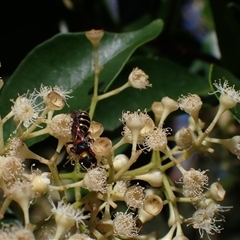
106	195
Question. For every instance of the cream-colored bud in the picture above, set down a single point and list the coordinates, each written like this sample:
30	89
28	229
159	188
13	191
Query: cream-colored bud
153	205
54	101
40	184
154	177
157	108
102	147
169	105
217	192
138	79
94	36
183	138
119	161
95	130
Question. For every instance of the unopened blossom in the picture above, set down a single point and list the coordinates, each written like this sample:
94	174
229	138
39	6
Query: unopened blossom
138	79
25	110
169	106
194	182
125	225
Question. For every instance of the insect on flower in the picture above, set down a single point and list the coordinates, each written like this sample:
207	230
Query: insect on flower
81	141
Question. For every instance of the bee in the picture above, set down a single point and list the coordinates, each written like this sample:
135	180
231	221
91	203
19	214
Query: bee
81	140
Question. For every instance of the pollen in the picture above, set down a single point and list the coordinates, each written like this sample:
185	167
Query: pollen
96	180
191	103
194	182
134	197
156	139
60	127
25	110
125	225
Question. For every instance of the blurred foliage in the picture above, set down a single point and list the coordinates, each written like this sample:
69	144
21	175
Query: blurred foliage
177	52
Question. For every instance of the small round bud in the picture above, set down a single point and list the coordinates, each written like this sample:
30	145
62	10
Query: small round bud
154	177
217	192
94	36
153	205
157	108
169	105
138	79
119	161
183	138
39	184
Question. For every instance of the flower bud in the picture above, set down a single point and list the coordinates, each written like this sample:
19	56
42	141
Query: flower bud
157	108
119	161
153	177
169	105
40	184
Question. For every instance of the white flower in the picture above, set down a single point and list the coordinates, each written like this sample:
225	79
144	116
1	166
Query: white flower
25	110
226	89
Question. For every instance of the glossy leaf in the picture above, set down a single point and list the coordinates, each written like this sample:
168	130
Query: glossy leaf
67	60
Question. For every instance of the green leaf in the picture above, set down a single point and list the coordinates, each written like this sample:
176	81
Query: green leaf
167	78
217	73
67	60
227	24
